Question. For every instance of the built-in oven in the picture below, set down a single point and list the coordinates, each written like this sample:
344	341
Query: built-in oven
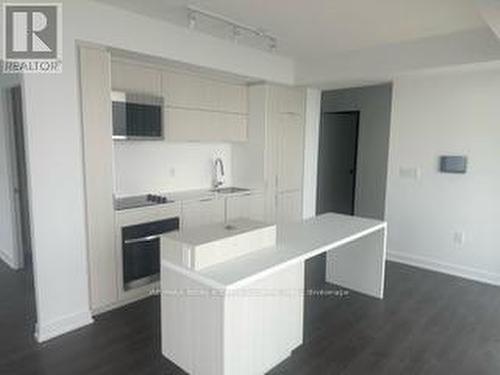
141	251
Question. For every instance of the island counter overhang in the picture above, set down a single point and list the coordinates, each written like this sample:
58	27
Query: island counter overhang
245	315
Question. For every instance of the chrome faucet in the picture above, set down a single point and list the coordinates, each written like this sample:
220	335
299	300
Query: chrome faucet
219	173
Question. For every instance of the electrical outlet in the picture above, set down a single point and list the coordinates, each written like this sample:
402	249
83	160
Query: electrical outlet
459	238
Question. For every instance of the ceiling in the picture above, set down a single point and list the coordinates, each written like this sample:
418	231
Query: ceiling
343	43
321	27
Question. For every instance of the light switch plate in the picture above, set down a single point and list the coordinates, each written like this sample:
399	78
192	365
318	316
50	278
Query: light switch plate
410	173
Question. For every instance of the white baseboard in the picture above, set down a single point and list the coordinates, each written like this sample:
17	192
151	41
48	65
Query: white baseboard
447	268
120	303
9	260
45	332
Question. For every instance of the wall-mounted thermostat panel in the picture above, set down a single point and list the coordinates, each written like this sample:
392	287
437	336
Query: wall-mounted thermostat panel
453	164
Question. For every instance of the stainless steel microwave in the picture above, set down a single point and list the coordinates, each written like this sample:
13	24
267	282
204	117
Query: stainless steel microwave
137	116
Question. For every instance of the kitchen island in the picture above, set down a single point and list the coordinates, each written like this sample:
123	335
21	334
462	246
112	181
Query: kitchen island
244	315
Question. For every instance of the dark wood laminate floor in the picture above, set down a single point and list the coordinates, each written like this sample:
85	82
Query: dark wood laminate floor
428	324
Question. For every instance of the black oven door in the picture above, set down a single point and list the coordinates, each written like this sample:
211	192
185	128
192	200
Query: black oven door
141	251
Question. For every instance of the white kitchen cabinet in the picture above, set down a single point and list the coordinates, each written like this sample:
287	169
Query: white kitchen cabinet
136	78
188	91
249	206
273	156
238	332
200	109
187	125
230	97
190	125
286	99
290	155
289	206
202	212
200	93
95	83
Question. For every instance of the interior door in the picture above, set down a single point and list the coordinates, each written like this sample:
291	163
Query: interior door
337	163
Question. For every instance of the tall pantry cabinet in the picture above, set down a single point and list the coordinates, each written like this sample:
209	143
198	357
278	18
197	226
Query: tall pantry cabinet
274	152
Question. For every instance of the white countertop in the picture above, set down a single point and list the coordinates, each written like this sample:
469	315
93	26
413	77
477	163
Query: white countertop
296	242
185	197
214	232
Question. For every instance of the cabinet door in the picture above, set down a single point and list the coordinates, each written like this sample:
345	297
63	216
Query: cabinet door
290	147
195	92
203	212
188	91
191	125
250	206
135	78
186	125
229	127
289	206
231	98
288	99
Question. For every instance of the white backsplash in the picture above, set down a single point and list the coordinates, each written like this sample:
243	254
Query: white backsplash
160	166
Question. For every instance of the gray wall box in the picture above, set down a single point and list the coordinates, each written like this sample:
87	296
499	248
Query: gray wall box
453	164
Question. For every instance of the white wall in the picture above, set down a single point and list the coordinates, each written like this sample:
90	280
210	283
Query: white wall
161	166
8	223
54	143
455	112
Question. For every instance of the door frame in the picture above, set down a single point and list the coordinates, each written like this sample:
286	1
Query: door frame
21	210
356	154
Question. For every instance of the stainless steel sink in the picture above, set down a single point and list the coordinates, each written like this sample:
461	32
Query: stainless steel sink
229	190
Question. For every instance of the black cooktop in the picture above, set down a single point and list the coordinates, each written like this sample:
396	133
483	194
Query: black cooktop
140	201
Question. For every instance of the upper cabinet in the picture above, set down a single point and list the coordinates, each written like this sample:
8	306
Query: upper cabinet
135	78
199	93
197	108
204	110
287	100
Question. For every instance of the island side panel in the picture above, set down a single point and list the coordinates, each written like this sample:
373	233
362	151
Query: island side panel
264	322
360	265
191	323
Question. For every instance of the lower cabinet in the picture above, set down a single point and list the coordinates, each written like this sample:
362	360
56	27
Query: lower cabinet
202	212
289	206
249	206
